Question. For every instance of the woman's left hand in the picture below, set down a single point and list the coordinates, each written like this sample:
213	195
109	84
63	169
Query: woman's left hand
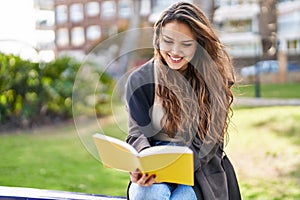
142	179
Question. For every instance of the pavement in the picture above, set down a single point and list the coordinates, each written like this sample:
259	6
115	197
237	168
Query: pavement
244	101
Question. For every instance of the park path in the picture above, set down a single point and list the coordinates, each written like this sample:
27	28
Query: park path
245	101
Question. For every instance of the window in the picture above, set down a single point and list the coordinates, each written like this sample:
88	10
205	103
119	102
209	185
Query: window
45	18
61	14
77	35
92	9
145	8
125	9
236	26
62	37
76	12
93	32
292	44
108	9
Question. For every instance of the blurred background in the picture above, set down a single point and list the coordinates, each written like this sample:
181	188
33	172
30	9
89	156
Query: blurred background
50	49
253	30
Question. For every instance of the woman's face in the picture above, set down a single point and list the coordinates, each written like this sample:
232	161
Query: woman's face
177	45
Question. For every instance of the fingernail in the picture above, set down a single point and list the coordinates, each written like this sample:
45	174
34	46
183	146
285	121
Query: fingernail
146	174
154	176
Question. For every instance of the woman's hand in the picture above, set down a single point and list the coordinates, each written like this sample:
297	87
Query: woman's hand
142	179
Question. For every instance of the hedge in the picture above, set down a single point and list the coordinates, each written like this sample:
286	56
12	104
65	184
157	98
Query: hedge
37	93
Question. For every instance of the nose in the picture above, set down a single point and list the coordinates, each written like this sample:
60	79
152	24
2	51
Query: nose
175	49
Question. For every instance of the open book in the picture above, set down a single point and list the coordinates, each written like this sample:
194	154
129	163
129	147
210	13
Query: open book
172	164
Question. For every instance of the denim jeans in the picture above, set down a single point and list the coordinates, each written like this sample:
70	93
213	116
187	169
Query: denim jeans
161	191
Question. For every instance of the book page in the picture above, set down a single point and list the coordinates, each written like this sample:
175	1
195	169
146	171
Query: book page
115	153
163	149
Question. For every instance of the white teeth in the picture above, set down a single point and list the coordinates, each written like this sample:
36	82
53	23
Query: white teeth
175	59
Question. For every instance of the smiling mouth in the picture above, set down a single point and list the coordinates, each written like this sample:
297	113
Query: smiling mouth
175	59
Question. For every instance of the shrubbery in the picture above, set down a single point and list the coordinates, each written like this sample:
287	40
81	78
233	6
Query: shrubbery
33	94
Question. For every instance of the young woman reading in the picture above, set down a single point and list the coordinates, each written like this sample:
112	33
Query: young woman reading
182	97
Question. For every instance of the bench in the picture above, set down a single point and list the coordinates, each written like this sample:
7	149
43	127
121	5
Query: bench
19	193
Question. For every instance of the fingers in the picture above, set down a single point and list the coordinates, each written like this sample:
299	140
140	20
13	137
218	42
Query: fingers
142	179
146	180
135	176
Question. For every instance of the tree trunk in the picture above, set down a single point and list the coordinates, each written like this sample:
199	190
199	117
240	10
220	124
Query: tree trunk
268	28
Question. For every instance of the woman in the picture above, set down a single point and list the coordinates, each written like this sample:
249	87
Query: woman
182	97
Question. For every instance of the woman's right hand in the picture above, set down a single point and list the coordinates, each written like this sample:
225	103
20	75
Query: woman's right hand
142	179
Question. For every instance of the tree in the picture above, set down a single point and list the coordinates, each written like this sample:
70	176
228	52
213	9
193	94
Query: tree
268	28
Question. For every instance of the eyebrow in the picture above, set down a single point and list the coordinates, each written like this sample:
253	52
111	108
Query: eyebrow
173	39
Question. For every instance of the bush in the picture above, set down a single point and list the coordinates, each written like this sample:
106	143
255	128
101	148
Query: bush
19	85
34	94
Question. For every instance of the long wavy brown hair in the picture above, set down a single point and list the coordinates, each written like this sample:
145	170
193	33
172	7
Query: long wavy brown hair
199	101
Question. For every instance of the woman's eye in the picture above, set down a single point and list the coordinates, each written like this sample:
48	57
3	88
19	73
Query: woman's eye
168	41
187	45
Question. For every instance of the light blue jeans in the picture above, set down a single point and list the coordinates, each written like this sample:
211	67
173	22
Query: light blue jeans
161	191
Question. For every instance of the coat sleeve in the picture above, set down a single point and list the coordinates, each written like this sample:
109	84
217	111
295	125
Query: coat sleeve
135	137
139	101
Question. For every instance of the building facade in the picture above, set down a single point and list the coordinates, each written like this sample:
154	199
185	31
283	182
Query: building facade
289	27
44	24
76	26
80	24
251	29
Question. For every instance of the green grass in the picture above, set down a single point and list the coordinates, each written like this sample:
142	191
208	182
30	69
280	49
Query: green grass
54	158
263	146
287	90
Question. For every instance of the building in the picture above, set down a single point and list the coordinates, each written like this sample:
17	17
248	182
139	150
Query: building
76	26
288	14
81	24
289	28
238	27
244	25
44	25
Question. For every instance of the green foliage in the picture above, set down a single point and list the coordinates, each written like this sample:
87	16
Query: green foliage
19	86
34	93
57	80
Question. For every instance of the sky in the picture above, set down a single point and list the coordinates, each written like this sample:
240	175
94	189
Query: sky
17	24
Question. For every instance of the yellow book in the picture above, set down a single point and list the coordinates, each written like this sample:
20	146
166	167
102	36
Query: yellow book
173	164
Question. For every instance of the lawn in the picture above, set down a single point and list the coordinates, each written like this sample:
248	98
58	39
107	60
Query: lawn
263	146
288	90
55	158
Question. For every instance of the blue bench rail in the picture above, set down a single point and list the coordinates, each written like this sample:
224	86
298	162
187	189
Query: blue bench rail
19	193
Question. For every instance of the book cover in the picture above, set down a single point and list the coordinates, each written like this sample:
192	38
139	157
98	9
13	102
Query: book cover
172	164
